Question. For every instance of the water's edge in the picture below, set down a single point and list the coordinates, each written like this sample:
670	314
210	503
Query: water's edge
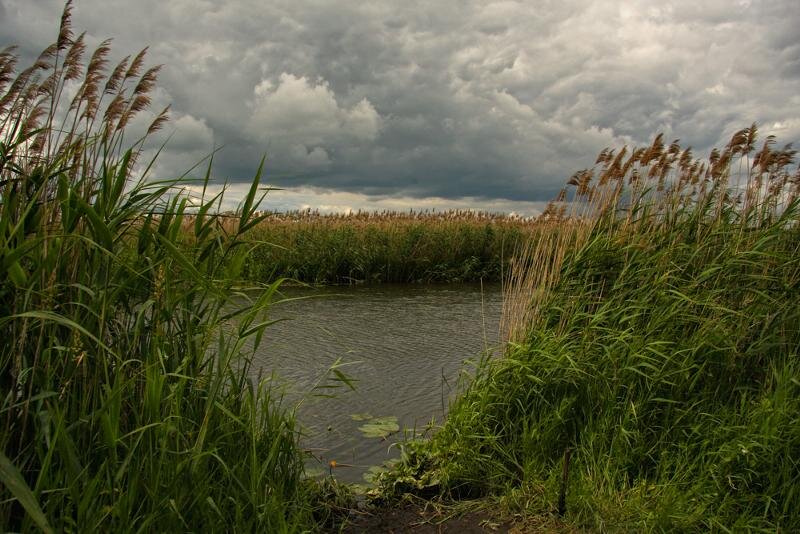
403	345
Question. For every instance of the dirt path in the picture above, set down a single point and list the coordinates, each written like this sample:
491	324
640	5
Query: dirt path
422	519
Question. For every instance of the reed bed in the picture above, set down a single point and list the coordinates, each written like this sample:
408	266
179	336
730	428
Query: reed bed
651	381
126	402
376	247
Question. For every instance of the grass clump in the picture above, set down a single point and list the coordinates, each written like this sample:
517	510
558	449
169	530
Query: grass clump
657	353
126	402
453	246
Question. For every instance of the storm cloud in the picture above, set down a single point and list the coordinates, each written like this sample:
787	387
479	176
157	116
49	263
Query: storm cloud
488	102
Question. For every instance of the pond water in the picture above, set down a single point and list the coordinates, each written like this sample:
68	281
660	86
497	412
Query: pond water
403	346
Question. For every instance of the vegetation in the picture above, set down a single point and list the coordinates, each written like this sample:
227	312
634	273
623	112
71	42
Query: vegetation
451	246
126	398
652	380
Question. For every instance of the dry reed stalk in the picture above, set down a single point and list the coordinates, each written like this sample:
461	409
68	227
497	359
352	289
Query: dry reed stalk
651	187
534	270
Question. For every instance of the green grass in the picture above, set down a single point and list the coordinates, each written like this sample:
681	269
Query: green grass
126	399
662	352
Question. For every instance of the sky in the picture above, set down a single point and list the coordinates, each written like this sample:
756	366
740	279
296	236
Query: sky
439	104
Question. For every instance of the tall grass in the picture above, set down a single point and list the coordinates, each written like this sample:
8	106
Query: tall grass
125	397
657	354
451	246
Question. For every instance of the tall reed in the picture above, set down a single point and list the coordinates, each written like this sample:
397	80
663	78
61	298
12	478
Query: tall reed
658	349
450	246
126	401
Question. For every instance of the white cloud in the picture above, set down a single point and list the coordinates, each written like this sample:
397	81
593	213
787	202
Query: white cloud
190	133
300	120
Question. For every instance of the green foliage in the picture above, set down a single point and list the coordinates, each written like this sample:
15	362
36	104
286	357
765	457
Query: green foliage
664	357
126	402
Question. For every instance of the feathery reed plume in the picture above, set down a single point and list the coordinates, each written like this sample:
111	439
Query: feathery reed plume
159	121
136	65
116	76
680	183
65	28
654	335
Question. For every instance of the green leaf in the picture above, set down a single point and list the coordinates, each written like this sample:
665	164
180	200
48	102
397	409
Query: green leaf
12	479
44	315
184	262
248	208
17	274
100	231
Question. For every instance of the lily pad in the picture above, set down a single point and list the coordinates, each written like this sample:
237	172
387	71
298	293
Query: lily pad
380	427
360	417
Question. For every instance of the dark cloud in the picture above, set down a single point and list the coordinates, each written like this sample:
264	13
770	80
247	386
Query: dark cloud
494	100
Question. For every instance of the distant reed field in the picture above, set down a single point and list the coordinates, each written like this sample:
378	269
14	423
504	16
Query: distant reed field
451	246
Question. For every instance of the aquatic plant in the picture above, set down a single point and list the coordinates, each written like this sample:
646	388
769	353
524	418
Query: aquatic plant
126	402
656	346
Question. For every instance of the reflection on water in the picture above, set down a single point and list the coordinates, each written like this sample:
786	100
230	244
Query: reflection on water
403	345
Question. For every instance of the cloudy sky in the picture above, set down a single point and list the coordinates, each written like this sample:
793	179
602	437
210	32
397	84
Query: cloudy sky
440	103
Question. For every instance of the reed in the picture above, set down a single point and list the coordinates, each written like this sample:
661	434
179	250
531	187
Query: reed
126	398
372	247
655	343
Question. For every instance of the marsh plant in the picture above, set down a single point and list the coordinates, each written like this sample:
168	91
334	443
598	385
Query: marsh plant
126	402
388	246
654	341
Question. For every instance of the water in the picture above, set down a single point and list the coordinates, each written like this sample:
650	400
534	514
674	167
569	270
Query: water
404	346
